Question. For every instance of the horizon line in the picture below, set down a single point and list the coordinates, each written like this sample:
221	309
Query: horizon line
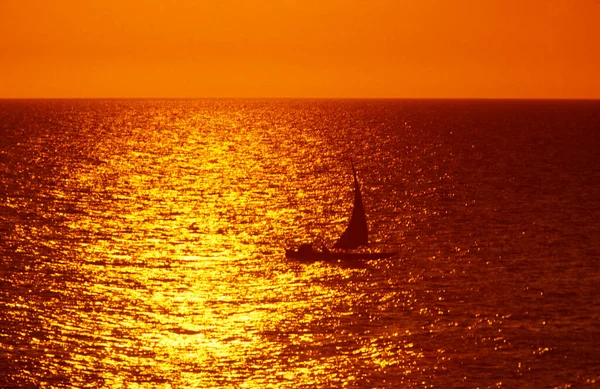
305	98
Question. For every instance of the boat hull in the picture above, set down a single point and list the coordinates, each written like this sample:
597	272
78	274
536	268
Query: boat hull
334	256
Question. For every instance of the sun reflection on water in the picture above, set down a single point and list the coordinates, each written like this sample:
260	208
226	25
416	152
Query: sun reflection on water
146	239
183	271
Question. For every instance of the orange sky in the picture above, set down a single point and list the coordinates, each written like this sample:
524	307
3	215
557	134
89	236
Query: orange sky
300	48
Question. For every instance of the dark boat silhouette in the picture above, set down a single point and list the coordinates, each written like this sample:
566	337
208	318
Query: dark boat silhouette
356	235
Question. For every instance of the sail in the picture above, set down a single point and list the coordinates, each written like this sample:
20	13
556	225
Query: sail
356	233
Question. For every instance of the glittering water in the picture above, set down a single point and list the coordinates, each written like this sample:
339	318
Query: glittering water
142	244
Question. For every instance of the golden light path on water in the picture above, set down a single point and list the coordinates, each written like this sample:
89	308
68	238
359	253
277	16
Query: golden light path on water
145	246
186	222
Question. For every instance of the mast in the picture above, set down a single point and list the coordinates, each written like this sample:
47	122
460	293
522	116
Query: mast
356	234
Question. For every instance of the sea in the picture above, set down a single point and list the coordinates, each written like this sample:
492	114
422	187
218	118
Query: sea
142	243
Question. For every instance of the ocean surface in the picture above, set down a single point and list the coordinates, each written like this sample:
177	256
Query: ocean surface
142	244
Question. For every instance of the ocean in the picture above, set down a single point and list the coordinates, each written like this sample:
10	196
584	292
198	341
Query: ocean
142	244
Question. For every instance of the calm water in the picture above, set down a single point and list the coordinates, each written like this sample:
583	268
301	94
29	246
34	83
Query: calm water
142	244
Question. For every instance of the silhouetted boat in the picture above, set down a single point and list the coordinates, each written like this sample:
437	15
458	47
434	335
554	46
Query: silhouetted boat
355	236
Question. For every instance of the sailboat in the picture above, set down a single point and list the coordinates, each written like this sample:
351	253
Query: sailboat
356	235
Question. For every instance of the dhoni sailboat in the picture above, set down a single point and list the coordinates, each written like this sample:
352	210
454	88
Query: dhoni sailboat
356	235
